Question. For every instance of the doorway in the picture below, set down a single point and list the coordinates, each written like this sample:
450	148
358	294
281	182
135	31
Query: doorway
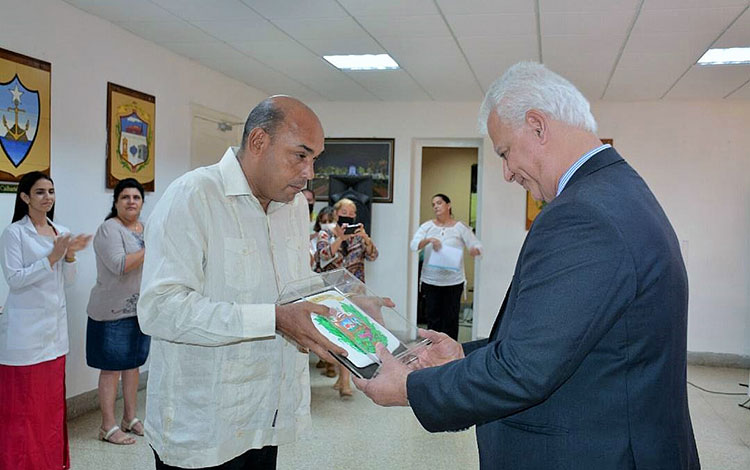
213	132
452	170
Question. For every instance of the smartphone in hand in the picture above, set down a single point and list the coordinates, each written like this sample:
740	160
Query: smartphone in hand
350	229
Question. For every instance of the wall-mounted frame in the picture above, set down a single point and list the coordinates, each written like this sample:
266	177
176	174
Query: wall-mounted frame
356	157
534	207
131	119
25	85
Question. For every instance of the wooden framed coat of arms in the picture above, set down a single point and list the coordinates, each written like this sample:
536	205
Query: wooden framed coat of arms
24	117
131	119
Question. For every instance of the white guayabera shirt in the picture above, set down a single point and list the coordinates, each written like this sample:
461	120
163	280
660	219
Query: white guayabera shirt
221	380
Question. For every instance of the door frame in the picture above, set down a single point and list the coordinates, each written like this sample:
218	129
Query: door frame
414	199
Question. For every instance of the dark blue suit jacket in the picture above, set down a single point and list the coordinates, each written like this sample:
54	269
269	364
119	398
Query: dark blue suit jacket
586	368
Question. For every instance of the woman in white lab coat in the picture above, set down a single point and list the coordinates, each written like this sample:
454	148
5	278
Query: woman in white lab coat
38	260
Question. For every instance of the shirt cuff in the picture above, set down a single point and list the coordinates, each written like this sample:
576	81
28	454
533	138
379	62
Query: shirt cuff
258	320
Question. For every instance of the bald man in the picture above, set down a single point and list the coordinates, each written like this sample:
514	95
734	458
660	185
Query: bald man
229	379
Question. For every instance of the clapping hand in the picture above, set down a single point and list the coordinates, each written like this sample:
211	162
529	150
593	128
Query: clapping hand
59	247
78	243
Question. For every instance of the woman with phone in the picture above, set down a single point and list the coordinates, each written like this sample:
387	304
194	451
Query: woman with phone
441	284
345	244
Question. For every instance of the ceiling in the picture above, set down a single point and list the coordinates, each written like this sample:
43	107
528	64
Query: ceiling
450	50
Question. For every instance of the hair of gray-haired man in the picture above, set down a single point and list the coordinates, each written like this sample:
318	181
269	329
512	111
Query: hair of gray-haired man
530	85
266	115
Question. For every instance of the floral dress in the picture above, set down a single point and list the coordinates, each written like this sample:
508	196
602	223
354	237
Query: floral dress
350	255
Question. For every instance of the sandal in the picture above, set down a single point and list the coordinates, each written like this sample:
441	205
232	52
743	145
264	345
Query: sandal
129	427
107	437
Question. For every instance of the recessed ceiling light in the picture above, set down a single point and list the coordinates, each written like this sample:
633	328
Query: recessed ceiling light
729	56
362	62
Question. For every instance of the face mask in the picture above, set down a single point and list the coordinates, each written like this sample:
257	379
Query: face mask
328	227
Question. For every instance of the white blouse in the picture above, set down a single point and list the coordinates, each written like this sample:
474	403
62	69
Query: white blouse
34	323
459	236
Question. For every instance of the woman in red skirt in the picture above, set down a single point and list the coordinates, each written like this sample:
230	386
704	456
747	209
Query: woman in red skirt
38	260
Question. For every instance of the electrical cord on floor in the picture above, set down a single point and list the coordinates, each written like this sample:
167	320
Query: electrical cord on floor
715	392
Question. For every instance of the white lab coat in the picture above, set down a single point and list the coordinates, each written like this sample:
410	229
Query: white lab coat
33	324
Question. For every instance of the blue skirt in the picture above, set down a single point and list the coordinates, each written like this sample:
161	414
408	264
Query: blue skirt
116	345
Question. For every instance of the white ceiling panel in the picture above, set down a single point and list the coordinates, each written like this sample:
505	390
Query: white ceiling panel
486	46
644	76
165	31
444	78
342	29
277	9
207	10
489	67
440	46
551	6
492	24
710	82
362	45
390	85
671	4
453	7
741	94
132	10
269	81
235	31
681	20
389	7
405	26
200	49
589	23
738	34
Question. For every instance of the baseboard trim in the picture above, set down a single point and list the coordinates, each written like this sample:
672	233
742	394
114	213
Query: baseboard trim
735	361
89	401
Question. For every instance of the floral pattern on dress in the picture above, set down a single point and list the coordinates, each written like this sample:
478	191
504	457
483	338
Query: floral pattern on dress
352	258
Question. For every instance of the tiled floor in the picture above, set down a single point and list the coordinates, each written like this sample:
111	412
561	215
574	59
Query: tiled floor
357	434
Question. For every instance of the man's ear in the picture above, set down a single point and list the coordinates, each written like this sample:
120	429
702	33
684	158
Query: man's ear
257	141
539	125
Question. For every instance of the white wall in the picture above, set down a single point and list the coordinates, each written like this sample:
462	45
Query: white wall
694	155
87	52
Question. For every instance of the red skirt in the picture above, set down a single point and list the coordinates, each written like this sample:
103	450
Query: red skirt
34	433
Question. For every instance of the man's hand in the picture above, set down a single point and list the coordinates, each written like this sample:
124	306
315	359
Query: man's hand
373	305
388	388
442	350
293	320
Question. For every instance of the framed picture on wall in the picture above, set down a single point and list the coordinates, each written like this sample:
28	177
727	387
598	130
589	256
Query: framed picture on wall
131	119
534	207
25	122
356	157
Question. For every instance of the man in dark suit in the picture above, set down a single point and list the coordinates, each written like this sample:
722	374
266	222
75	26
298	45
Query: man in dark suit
585	367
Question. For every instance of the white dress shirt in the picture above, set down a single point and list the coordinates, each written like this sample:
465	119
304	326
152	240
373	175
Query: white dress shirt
458	236
221	380
34	323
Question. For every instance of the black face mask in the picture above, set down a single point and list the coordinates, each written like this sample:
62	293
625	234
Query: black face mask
310	208
345	220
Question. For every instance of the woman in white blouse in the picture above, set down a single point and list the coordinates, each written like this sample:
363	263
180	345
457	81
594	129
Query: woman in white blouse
38	260
442	279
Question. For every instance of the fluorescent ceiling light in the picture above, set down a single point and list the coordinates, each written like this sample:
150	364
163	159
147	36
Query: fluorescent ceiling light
732	55
362	62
